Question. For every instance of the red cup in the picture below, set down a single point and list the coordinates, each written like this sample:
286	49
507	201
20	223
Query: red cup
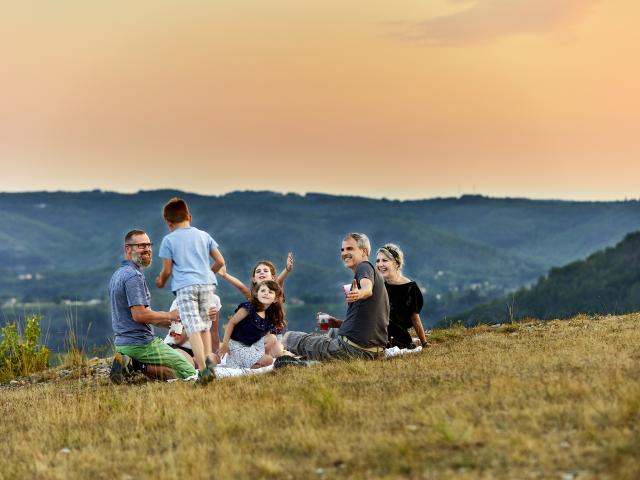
323	322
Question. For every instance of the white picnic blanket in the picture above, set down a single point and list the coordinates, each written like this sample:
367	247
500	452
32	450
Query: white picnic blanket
395	351
222	371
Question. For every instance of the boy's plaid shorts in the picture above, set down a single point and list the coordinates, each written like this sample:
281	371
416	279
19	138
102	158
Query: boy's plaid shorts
193	304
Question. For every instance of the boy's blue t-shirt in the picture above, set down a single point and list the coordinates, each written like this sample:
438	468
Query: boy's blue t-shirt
189	249
128	288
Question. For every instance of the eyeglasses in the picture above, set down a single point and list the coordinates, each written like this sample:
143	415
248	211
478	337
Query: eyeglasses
141	246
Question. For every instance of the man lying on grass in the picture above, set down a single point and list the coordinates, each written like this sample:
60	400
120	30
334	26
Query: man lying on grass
132	319
363	334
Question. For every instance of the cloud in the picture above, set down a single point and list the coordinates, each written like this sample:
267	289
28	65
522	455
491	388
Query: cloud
487	20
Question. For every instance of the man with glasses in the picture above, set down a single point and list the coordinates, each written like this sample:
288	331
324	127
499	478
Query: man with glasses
133	320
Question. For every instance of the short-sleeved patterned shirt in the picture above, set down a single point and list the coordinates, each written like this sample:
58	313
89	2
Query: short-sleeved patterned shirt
127	288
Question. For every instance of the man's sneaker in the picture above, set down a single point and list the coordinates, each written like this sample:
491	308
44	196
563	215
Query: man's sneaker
119	368
136	366
288	360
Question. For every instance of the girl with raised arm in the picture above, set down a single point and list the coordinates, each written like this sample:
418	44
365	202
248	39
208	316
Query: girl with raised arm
263	270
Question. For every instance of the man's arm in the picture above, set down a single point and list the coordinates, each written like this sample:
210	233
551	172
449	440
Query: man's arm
142	314
365	291
167	267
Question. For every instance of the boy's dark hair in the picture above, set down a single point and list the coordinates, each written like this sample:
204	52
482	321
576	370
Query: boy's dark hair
275	312
175	210
132	233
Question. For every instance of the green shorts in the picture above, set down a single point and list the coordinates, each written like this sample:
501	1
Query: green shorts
159	353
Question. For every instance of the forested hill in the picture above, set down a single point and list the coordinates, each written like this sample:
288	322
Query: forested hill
606	282
462	251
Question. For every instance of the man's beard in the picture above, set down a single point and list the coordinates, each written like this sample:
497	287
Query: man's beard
140	261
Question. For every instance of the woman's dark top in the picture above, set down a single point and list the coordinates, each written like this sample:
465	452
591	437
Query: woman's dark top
252	327
404	300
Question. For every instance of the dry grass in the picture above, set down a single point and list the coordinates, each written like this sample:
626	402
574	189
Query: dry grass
557	399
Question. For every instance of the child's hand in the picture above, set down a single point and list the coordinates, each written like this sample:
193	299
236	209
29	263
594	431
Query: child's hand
354	294
289	262
159	282
213	315
223	350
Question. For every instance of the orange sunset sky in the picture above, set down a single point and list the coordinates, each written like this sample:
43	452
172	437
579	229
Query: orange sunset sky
398	99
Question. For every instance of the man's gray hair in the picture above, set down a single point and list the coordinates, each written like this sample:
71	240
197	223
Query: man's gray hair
361	240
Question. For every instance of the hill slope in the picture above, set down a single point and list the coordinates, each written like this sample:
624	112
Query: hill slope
606	282
537	400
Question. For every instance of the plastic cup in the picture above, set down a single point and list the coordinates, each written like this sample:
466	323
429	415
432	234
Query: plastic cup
323	321
346	288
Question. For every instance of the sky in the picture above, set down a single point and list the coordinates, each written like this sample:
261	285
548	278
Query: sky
405	99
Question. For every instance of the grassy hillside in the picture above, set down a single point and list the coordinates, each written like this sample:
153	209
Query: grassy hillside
557	399
608	281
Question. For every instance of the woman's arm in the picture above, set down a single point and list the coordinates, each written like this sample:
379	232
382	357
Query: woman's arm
417	325
287	270
237	318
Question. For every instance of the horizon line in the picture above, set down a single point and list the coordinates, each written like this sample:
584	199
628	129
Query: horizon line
307	193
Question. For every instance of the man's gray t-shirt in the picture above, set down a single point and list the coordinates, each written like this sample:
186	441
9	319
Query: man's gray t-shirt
127	288
367	320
